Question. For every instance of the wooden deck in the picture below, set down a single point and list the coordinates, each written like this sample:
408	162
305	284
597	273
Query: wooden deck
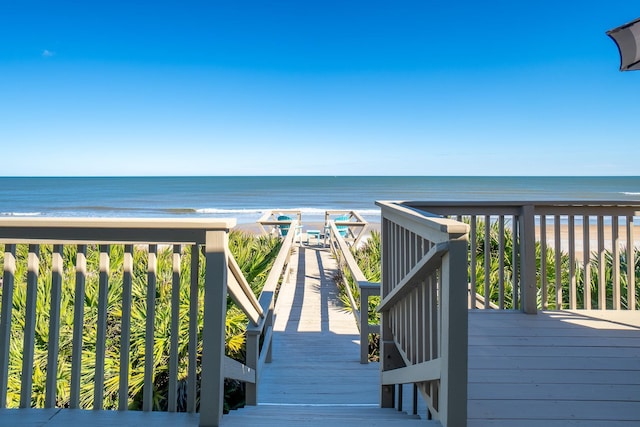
551	369
578	368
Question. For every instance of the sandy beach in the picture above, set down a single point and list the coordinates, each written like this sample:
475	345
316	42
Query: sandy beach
579	237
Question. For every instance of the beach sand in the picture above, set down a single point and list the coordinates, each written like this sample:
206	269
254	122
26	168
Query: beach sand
254	228
579	238
550	235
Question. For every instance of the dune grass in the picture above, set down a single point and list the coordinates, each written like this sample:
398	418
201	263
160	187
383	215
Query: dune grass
255	255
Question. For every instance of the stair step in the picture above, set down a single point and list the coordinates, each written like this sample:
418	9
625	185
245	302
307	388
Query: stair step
320	416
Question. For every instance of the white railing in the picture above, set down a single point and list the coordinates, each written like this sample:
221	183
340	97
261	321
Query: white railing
366	289
424	310
260	334
590	252
49	238
352	226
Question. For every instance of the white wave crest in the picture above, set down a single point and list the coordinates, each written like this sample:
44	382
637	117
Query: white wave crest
20	213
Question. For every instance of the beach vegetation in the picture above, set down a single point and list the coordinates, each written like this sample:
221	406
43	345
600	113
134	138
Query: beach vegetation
502	276
254	254
368	256
558	266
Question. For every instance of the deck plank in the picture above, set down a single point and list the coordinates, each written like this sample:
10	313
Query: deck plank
316	342
554	368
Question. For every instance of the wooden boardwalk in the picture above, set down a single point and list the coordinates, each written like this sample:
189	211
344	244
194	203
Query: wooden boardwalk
316	377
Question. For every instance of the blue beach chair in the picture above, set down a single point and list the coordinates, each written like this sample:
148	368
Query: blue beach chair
342	229
284	228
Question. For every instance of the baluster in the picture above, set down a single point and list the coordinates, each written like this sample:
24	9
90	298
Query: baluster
8	279
193	328
558	260
420	324
631	274
152	268
175	318
78	324
435	316
517	268
543	262
473	260
615	250
586	257
573	303
501	247
487	261
54	327
98	386
33	265
602	281
125	336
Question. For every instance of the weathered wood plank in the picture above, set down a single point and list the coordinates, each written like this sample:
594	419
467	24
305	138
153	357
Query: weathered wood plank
542	410
554	369
561	391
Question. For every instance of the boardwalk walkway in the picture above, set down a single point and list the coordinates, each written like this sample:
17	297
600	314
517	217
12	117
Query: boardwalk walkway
316	376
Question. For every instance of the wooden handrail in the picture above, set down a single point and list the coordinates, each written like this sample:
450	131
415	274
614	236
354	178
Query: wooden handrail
341	249
587	241
424	310
256	355
221	271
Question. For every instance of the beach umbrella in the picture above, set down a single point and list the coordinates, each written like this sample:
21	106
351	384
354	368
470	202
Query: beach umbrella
627	38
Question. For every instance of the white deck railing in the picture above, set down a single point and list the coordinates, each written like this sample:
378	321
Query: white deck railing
221	275
424	310
360	309
587	247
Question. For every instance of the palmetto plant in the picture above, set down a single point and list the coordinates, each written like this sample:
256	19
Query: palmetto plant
254	255
368	258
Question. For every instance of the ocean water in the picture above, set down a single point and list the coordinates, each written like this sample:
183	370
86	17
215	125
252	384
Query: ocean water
246	198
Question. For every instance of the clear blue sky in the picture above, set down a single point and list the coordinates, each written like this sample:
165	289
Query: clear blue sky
316	88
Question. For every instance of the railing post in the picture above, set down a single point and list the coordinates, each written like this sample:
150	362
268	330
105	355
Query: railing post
268	324
364	325
527	239
213	329
387	392
454	335
389	358
252	360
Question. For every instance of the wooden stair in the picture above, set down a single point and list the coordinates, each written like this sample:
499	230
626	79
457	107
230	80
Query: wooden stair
322	416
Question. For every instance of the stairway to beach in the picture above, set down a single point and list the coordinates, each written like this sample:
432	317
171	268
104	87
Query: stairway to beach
315	378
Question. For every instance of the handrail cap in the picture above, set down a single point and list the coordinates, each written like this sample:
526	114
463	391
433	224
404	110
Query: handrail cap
73	222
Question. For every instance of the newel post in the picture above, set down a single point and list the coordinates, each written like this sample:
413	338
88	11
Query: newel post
252	361
213	330
454	335
364	325
528	282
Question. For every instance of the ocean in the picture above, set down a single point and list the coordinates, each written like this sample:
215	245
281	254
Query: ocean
246	198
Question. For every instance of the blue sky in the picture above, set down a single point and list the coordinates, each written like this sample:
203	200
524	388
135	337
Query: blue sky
316	88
